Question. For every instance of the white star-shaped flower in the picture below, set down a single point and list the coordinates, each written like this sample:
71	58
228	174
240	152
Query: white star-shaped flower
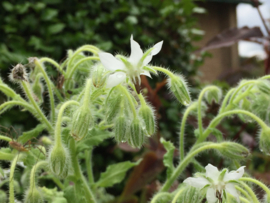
217	182
131	67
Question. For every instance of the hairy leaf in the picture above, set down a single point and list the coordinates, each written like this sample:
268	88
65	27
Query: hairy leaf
168	157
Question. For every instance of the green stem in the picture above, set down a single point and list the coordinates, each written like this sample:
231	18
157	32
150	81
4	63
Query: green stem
183	164
88	161
182	132
35	105
11	179
217	120
73	68
200	108
58	125
242	191
159	195
265	77
244	200
263	186
225	100
124	90
33	173
4	182
6	156
86	99
48	83
53	62
8	91
250	192
20	103
177	195
58	183
240	88
142	100
163	70
2	137
78	175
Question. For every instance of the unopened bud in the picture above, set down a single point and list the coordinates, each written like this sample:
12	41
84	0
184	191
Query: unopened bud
136	137
33	196
59	161
82	122
120	130
18	73
46	140
265	141
113	107
190	195
59	200
178	86
263	86
213	94
98	76
147	114
245	104
233	150
38	88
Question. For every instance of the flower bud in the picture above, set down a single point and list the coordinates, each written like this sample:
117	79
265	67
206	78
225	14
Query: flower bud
59	161
120	130
18	73
147	114
113	106
33	196
59	200
265	140
233	150
37	88
245	104
98	76
46	140
136	137
3	196
263	86
82	122
178	86
213	94
190	195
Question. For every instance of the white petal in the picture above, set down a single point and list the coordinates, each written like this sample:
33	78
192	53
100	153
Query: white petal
110	62
211	195
147	59
212	172
234	175
157	47
136	52
115	79
231	189
196	182
146	72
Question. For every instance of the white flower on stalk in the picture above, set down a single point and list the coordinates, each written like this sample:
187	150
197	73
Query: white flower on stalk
217	183
131	67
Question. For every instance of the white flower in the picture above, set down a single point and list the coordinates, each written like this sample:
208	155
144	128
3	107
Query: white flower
132	67
217	182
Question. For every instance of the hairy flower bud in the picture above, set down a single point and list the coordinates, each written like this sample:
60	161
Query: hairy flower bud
33	196
178	86
264	137
147	114
46	140
136	137
233	150
82	122
113	106
213	94
190	195
98	76
18	73
120	130
59	161
38	88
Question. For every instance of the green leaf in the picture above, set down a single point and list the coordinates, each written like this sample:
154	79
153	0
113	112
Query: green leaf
115	173
26	136
168	157
8	6
94	138
54	29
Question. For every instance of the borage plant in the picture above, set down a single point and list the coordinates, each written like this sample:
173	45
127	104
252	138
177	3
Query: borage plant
84	111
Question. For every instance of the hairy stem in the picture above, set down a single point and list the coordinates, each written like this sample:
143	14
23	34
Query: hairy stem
33	173
124	90
88	162
177	195
250	192
159	195
11	179
225	100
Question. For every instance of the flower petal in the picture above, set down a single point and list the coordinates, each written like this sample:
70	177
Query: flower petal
115	79
147	59
234	175
196	182
212	172
157	47
136	52
231	189
211	195
146	72
110	62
